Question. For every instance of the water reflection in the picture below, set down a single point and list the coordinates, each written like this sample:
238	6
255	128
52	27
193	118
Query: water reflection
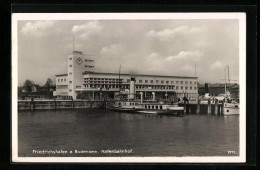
146	134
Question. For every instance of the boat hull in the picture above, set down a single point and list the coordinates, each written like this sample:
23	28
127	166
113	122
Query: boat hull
230	111
162	112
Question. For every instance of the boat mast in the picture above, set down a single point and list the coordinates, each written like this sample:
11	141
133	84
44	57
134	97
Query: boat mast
119	78
226	68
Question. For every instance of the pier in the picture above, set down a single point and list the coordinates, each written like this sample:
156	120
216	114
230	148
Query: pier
192	107
58	104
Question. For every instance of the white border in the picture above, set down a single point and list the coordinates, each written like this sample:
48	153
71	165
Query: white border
132	16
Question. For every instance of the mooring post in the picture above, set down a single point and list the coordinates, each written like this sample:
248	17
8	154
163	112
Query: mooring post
216	106
54	100
72	103
222	108
32	103
198	107
185	107
209	106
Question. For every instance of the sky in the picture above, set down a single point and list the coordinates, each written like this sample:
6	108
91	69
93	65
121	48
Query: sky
158	47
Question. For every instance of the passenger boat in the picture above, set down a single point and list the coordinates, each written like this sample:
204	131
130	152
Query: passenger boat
149	107
132	106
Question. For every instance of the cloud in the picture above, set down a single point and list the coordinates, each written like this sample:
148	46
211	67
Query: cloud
112	50
153	56
216	65
37	27
87	29
172	33
186	54
187	68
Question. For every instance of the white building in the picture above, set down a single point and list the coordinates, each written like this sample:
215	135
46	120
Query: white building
82	82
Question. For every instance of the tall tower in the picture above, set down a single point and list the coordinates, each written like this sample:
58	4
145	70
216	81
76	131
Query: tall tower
77	64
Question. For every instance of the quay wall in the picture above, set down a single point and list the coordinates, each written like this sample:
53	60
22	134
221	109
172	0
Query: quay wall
189	108
58	104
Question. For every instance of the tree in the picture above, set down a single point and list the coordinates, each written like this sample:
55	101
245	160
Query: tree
28	85
48	84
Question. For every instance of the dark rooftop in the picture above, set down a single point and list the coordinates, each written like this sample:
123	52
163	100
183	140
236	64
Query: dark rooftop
61	75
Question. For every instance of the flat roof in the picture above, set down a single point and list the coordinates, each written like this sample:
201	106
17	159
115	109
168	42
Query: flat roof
58	75
139	75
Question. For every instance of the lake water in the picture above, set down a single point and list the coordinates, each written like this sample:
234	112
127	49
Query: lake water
100	132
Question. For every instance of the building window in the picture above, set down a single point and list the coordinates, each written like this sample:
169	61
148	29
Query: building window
61	80
70	73
70	58
151	81
172	82
70	65
177	87
70	81
181	82
64	79
181	87
88	66
128	80
177	82
186	82
191	82
195	88
157	81
162	81
70	90
167	82
194	82
146	81
58	80
190	88
140	81
186	87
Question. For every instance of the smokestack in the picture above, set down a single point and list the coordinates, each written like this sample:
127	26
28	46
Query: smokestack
132	89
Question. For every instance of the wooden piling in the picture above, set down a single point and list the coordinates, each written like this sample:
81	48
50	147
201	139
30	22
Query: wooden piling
222	108
209	106
32	104
55	106
185	107
198	107
72	103
216	107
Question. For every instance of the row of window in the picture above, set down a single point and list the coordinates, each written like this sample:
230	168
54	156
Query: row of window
61	80
87	66
142	87
104	79
166	81
147	81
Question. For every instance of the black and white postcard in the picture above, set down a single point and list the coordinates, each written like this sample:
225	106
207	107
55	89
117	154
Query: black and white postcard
129	87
